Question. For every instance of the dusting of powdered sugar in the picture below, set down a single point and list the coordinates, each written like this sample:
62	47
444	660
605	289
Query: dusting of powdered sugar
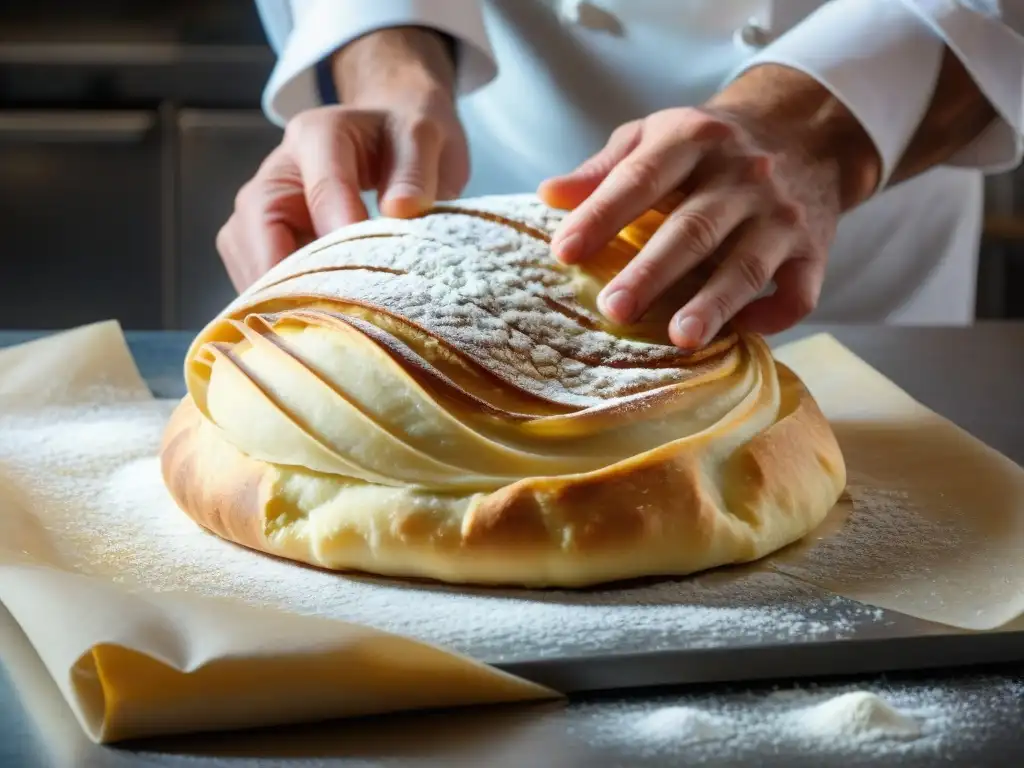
487	288
93	478
801	726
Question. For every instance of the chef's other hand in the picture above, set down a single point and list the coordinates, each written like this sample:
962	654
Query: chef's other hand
756	191
397	132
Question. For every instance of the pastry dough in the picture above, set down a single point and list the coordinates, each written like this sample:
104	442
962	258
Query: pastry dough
438	397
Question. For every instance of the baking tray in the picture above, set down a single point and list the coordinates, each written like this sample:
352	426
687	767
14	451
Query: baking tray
885	642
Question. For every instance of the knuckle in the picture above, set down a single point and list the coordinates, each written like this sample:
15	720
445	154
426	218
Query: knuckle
319	193
811	251
297	127
789	214
223	239
705	127
639	177
721	304
642	273
243	196
753	272
804	302
411	174
425	130
696	230
758	167
624	132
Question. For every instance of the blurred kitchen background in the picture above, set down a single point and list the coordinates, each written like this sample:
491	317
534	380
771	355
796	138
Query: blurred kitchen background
126	129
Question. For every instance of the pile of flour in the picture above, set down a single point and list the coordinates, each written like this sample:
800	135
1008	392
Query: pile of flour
786	726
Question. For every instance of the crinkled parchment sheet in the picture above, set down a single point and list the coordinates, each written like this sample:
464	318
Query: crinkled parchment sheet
933	527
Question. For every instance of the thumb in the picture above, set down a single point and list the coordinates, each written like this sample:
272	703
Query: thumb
571	189
329	165
411	185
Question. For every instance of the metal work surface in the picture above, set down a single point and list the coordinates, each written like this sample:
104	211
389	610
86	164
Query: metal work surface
981	393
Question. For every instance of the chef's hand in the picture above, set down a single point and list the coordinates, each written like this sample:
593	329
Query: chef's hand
759	176
398	132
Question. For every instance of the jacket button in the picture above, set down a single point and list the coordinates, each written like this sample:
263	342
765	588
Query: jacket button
590	16
753	35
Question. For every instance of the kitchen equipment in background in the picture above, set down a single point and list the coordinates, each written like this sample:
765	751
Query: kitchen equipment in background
111	172
125	133
73	241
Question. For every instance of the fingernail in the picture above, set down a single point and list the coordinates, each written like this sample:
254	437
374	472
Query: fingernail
569	249
690	331
403	207
618	305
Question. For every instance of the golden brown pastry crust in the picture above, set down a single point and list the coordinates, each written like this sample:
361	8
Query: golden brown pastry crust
437	398
657	515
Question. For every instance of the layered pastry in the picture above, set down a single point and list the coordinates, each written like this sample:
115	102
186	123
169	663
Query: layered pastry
438	397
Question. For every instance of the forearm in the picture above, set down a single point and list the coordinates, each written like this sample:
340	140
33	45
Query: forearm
398	61
956	116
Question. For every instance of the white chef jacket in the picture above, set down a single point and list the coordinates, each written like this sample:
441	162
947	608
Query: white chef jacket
543	83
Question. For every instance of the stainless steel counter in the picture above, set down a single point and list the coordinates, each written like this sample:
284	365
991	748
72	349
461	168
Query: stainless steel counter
972	376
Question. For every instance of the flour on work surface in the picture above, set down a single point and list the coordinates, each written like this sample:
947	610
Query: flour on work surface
885	533
93	475
802	726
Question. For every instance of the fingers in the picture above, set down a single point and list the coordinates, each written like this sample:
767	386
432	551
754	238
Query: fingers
661	162
797	288
688	236
746	271
411	186
327	155
632	187
269	218
454	166
310	185
247	258
573	188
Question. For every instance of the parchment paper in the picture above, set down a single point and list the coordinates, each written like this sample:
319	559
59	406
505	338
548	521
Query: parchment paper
933	527
132	663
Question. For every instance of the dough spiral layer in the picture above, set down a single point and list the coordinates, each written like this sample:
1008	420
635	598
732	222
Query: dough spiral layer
438	397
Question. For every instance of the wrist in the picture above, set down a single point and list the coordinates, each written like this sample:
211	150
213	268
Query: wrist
393	65
792	112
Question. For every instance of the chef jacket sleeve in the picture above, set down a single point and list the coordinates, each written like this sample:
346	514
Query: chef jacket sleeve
304	33
881	58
